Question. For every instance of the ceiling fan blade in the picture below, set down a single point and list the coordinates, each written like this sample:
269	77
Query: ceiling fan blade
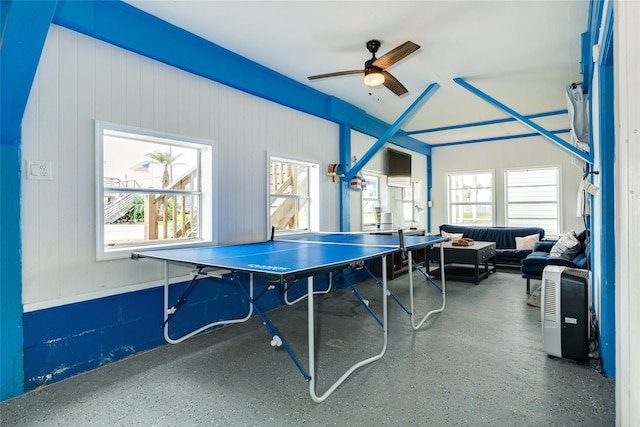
339	73
395	55
393	84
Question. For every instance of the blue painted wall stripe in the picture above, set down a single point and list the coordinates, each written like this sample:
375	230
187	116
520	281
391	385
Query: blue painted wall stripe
58	346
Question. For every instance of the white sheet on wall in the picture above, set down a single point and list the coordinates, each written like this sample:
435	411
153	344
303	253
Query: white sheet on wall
577	107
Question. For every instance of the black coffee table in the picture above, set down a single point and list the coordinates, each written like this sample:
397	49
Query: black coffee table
464	262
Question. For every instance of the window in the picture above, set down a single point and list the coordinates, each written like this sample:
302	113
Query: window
150	189
370	200
471	198
532	198
411	200
293	194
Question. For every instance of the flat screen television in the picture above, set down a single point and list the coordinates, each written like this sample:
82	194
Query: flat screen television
398	169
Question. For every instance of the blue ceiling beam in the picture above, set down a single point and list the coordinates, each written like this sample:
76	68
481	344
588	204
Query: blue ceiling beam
587	157
497	138
487	122
122	25
25	25
404	117
125	26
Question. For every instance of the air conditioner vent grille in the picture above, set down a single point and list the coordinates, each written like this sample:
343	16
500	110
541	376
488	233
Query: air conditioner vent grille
550	300
577	272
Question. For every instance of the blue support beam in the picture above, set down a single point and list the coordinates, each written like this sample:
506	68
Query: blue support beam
404	117
607	206
429	185
11	320
486	122
122	25
25	25
345	195
522	119
498	138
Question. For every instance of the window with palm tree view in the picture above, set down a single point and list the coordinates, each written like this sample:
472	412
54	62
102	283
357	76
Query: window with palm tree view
149	188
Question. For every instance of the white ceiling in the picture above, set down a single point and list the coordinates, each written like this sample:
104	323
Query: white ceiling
521	53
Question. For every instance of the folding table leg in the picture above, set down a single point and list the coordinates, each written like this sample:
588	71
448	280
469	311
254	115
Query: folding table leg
311	338
205	327
442	279
277	340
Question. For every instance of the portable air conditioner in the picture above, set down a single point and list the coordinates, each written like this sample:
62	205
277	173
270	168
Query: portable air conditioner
565	312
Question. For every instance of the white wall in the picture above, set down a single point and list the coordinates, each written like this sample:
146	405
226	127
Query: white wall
500	156
80	80
627	95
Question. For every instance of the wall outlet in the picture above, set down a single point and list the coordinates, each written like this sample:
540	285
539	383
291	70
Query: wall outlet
39	170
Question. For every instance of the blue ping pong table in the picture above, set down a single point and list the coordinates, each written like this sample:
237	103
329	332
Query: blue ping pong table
286	261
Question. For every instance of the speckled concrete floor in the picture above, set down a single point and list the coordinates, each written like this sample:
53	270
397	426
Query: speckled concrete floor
479	363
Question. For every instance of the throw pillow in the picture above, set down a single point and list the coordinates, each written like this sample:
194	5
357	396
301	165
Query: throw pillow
452	236
567	247
527	242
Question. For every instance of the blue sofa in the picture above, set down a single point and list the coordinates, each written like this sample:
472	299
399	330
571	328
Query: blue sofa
533	265
504	237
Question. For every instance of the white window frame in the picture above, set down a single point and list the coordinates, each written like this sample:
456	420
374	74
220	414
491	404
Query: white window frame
312	196
370	176
204	195
535	221
492	209
411	197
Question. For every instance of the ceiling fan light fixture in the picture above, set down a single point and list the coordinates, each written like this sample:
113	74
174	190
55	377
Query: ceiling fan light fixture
373	76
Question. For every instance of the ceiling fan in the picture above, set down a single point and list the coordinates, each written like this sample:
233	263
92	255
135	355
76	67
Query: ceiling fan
374	71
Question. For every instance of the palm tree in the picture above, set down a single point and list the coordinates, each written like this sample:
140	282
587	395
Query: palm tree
165	159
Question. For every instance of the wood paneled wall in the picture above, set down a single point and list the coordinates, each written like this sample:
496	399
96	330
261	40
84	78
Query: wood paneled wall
80	80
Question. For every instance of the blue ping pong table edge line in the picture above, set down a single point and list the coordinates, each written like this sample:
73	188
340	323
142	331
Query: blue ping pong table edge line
318	268
421	241
414	242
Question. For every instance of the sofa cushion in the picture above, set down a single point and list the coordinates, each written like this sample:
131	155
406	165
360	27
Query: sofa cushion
452	236
544	246
534	264
513	254
567	247
580	261
527	242
536	259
